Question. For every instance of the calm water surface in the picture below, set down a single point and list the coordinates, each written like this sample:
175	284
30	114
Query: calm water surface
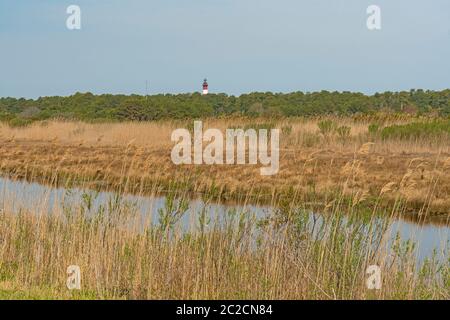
21	195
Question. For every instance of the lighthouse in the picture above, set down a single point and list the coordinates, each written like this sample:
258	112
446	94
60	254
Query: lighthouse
205	87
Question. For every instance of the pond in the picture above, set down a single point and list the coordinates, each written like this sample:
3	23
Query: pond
22	195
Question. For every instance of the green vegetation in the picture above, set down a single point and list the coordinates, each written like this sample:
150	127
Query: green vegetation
326	127
107	107
287	255
374	129
343	133
417	130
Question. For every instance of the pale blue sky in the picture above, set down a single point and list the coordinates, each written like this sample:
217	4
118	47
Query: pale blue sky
240	45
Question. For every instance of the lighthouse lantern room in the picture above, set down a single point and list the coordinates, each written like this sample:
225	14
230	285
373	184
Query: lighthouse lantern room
205	87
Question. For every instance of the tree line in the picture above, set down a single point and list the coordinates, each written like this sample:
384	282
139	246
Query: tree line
108	107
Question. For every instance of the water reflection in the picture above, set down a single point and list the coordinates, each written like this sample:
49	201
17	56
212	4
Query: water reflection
19	195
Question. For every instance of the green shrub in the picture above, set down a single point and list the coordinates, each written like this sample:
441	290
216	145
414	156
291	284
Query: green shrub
374	129
326	127
19	122
417	130
343	132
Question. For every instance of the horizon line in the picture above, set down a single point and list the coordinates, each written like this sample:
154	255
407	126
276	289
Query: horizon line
224	93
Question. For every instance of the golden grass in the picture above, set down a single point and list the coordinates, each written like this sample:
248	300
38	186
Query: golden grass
149	134
280	258
122	257
310	164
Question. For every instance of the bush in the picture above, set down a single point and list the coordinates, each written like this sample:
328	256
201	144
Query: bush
326	127
19	122
343	132
417	130
374	129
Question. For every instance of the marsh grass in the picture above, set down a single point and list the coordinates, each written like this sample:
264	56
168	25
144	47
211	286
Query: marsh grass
136	155
286	255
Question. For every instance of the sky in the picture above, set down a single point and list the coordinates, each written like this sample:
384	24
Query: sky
241	46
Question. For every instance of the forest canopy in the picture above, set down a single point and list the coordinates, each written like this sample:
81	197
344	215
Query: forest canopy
108	107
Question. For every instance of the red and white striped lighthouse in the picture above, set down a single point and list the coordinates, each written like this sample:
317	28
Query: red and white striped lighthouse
205	87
